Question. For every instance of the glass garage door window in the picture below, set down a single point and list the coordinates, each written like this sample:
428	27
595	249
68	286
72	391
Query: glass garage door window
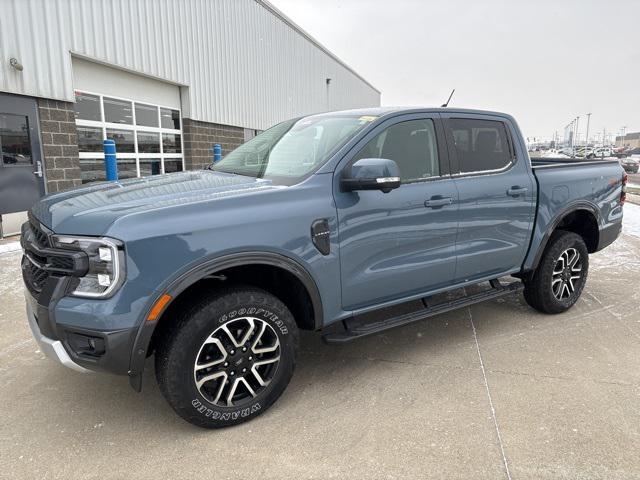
148	137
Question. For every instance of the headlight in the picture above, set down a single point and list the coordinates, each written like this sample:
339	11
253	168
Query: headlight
106	264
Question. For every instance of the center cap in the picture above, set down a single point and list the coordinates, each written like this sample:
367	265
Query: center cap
239	361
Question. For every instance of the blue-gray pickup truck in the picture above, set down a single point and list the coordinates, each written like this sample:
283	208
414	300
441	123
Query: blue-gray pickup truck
312	225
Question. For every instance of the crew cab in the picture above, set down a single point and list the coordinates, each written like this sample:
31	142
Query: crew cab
311	225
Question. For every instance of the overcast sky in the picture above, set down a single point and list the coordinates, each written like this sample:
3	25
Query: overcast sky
545	62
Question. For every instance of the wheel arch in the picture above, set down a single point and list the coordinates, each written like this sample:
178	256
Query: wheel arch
213	269
582	218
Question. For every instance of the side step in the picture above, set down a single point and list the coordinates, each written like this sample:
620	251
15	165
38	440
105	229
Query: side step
356	329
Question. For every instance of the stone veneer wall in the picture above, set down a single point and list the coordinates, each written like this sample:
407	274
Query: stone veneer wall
199	138
61	162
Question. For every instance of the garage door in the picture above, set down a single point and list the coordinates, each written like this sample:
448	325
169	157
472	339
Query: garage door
140	114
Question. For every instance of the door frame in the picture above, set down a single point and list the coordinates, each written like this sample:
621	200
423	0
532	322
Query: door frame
27	106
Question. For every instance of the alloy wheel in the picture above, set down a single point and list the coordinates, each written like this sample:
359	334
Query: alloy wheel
237	362
567	274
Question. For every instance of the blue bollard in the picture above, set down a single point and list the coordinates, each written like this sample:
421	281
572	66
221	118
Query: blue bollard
110	165
217	152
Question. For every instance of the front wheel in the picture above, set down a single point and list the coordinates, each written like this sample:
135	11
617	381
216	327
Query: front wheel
561	275
228	358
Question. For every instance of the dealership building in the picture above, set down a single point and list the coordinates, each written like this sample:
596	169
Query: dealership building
165	79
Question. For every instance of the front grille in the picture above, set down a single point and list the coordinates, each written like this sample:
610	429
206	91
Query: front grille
34	277
41	237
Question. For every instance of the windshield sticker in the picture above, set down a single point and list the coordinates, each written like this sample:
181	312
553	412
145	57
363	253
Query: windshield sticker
367	118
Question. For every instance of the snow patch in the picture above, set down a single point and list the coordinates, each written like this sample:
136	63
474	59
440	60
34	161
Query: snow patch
9	247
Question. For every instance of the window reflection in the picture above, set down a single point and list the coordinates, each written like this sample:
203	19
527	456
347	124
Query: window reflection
117	111
14	139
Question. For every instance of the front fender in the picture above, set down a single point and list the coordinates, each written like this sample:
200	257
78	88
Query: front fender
182	281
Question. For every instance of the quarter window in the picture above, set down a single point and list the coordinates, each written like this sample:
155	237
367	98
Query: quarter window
480	145
412	145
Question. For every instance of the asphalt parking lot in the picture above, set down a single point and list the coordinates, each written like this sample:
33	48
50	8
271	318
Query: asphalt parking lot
495	391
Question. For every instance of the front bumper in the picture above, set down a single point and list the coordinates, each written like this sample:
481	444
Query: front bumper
50	347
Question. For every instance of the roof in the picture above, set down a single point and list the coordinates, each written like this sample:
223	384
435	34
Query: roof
382	111
278	13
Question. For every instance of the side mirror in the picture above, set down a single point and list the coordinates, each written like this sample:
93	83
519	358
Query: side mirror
371	174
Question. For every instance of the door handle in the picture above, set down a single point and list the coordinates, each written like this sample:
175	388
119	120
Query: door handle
435	202
38	172
516	191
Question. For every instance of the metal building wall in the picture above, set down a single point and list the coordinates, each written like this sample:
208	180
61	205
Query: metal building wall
243	64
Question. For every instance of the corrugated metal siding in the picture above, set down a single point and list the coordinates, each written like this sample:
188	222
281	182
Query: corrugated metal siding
243	64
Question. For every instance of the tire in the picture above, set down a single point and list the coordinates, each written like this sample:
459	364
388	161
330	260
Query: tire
542	290
200	359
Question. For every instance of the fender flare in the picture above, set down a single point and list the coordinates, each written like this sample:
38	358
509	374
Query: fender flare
209	267
553	224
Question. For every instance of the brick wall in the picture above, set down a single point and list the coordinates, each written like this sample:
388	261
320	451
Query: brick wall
199	138
59	145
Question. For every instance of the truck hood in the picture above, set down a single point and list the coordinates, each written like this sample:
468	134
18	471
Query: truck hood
92	209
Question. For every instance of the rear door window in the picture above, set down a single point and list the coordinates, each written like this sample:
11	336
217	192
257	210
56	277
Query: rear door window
480	145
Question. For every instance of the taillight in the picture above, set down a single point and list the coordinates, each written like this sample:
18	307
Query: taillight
623	195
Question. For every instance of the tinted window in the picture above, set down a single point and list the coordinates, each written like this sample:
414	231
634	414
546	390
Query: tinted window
149	166
90	139
171	143
480	145
170	118
117	111
87	107
124	140
14	139
412	145
148	142
146	115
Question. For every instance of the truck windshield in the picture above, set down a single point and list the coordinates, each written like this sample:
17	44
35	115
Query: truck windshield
290	151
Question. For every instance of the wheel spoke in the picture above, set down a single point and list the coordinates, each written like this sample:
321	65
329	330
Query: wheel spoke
565	287
574	258
232	392
210	377
212	340
237	374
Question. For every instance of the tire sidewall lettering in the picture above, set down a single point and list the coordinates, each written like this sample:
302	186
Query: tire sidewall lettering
261	312
222	415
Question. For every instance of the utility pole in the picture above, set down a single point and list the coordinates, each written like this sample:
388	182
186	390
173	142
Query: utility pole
624	131
576	134
586	138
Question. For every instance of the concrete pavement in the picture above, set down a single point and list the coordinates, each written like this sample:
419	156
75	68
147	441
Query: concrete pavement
496	391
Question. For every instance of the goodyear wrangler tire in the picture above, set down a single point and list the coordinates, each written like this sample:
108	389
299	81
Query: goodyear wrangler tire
228	358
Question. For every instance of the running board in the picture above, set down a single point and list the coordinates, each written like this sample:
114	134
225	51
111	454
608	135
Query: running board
356	329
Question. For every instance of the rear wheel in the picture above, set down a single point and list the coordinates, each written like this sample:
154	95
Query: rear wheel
229	358
561	275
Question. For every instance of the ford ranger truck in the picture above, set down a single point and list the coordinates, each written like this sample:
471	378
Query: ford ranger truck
311	225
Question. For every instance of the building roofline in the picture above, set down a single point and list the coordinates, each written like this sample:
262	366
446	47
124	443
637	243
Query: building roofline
278	13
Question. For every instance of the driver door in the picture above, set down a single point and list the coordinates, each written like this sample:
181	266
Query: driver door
396	244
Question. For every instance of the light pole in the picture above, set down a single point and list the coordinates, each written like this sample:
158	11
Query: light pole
586	138
624	130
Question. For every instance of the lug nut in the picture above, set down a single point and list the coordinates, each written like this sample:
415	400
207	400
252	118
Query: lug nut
232	373
250	358
226	364
232	352
244	370
244	349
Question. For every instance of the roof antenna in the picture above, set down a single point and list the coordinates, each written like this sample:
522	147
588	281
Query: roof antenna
444	105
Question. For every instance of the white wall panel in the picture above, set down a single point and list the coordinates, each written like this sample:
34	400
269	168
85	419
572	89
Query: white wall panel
240	61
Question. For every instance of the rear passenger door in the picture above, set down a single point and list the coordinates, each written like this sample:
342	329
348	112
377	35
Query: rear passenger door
496	196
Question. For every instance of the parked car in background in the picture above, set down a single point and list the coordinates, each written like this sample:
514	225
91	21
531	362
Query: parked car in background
311	225
630	164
